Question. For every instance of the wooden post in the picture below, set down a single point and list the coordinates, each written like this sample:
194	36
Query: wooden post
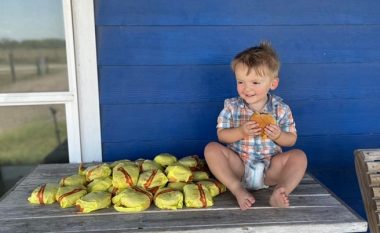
46	65
57	133
12	66
41	66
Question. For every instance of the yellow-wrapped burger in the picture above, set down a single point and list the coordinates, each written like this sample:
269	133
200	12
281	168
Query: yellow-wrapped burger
68	195
178	172
177	185
73	180
191	161
94	201
114	191
99	184
148	165
123	161
167	198
152	179
125	176
197	196
165	159
200	175
98	171
214	186
43	194
132	199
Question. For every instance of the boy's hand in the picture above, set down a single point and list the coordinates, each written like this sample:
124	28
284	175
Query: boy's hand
250	128
273	132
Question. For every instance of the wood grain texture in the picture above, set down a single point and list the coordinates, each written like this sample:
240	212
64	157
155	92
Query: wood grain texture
134	45
244	12
313	208
369	194
213	83
197	121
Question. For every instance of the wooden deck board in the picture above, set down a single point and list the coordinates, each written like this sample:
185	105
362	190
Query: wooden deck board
313	209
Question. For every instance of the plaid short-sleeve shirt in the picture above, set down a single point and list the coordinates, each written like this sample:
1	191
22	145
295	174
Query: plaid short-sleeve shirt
236	112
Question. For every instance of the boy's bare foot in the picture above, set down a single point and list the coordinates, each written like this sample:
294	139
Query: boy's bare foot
244	198
279	198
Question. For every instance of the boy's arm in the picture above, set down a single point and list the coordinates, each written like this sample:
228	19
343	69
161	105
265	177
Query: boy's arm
230	135
286	139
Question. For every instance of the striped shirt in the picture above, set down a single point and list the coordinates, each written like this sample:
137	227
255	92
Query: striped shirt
236	112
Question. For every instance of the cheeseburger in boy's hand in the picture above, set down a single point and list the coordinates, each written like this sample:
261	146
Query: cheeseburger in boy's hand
263	119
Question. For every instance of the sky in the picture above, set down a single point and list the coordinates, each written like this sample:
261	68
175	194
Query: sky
31	19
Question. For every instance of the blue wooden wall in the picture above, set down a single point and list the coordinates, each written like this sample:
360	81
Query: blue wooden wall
164	73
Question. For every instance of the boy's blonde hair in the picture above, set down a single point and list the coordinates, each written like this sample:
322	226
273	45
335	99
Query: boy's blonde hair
261	59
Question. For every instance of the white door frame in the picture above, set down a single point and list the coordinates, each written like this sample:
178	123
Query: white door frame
87	78
82	99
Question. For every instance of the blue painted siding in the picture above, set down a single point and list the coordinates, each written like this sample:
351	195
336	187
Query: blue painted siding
164	73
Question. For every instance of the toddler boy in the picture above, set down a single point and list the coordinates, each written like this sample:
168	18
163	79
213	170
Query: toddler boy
249	160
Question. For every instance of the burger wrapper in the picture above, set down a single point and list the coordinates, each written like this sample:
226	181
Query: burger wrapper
167	198
125	176
197	196
114	191
73	180
152	179
98	171
43	194
200	175
94	201
177	185
132	200
214	186
165	159
68	195
176	173
148	165
100	184
123	161
192	161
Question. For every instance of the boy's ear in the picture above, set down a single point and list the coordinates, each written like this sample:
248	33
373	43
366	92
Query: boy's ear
274	84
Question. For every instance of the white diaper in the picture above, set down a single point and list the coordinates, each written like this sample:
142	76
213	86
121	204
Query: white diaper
254	175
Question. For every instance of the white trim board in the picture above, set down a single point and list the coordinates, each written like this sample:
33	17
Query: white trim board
87	79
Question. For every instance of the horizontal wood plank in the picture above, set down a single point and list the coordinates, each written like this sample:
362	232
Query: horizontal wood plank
197	121
260	220
135	45
216	12
223	202
212	83
370	154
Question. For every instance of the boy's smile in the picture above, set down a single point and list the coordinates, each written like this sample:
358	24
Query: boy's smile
253	88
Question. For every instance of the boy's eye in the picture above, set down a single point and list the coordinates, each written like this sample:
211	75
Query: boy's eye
239	82
255	83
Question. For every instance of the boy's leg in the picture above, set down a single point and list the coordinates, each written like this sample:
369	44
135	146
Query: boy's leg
286	170
228	168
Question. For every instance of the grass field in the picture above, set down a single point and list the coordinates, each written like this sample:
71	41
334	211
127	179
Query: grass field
30	143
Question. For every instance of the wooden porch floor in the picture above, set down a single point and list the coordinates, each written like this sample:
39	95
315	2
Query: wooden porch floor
313	209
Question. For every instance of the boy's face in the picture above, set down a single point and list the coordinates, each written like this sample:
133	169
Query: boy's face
254	88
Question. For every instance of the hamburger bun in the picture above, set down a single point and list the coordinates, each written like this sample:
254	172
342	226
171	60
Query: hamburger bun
263	119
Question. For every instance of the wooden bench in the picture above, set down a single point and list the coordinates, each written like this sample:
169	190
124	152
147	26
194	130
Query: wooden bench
367	164
313	209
